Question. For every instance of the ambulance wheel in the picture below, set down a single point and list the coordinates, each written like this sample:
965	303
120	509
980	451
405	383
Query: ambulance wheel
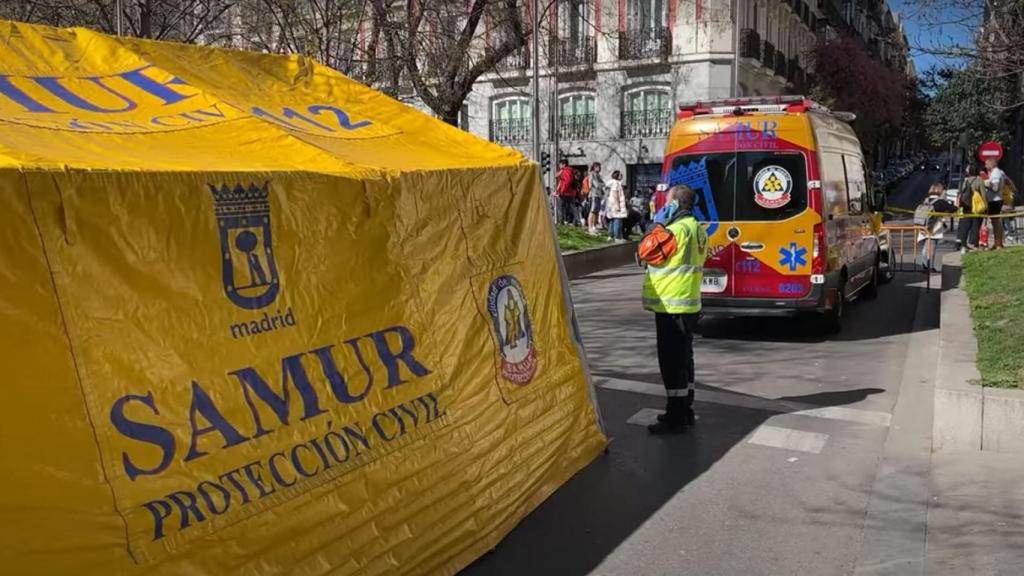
834	317
871	290
890	269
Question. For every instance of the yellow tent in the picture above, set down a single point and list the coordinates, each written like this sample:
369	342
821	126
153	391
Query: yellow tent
257	318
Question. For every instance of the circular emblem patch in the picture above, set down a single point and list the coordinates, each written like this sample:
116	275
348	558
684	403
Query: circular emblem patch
510	318
772	187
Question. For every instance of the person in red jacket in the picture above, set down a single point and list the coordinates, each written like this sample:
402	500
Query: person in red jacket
566	192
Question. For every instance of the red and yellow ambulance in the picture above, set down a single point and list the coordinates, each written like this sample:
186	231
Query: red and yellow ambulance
783	190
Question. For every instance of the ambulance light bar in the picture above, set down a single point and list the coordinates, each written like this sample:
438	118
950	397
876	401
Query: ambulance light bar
741	106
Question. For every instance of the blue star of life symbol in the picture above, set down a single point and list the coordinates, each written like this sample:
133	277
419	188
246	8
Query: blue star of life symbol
793	256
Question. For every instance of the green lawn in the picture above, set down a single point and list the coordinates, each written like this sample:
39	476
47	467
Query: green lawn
574	238
995	285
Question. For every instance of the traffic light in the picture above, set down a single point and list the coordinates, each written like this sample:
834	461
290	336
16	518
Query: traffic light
545	162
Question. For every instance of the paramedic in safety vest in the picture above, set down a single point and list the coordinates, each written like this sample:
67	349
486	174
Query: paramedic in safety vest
672	291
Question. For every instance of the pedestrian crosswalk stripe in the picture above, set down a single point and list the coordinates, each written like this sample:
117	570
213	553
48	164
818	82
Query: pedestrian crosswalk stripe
848	414
788	439
644	417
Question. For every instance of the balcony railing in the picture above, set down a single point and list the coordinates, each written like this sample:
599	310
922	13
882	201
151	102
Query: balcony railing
516	61
780	64
510	130
750	44
768	54
646	123
576	126
642	44
580	51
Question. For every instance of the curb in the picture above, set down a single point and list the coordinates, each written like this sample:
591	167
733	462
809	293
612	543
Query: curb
968	416
582	262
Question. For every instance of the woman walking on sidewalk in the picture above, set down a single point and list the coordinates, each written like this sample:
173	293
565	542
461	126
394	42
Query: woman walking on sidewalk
615	204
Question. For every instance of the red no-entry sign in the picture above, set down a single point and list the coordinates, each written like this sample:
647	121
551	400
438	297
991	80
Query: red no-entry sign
990	149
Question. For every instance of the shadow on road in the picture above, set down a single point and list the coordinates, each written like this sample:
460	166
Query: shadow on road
601	509
865	320
590	516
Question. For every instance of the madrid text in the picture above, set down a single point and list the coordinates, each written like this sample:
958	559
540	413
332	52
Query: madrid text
330	448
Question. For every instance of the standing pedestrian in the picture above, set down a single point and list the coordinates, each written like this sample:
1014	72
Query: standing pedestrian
566	192
597	192
994	191
934	226
968	227
672	291
615	205
637	207
658	200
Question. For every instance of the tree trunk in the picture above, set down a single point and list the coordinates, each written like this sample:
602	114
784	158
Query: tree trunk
451	117
146	18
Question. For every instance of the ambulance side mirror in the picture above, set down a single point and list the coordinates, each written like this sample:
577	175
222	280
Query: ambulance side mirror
878	200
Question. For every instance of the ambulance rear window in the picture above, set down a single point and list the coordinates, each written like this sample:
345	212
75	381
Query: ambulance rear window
772	185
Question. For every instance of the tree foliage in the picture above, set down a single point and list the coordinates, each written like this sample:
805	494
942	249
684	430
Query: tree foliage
181	20
850	80
986	36
968	103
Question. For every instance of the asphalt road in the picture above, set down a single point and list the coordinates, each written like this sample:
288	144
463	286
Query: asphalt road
909	193
794	466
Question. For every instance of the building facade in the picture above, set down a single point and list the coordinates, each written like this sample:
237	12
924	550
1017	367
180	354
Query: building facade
874	22
613	71
1001	52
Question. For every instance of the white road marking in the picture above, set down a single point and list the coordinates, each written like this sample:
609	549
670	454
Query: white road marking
849	415
869	417
644	417
787	439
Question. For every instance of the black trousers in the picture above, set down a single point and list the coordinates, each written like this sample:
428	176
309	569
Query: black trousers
968	231
566	209
675	359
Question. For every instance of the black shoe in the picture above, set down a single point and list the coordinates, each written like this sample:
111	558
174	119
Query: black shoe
667	427
689	419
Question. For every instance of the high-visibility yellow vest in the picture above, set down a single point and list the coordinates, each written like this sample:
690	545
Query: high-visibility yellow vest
674	287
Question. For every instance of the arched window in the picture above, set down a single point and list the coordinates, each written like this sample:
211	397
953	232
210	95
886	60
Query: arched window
646	34
510	120
576	118
575	44
646	112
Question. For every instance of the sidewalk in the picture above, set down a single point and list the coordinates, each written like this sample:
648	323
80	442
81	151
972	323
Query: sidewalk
975	515
975	520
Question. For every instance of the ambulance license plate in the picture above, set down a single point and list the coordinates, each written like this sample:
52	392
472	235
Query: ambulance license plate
715	281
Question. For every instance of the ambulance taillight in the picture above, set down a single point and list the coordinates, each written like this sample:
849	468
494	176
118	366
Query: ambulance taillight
818	253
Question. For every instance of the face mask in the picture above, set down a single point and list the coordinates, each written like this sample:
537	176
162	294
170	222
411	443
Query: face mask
671	208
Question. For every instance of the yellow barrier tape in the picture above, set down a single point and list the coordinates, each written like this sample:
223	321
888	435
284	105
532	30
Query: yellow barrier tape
954	214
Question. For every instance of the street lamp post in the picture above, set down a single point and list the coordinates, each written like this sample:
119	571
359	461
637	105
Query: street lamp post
734	88
535	116
117	16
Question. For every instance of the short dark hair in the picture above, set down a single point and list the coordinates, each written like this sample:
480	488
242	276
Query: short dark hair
595	165
682	194
563	162
616	174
